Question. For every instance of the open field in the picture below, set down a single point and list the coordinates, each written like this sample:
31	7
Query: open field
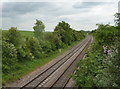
23	33
26	33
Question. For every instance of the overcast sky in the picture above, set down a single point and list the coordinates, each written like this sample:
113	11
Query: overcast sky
80	15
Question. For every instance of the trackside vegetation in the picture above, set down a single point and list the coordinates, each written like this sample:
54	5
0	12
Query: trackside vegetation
22	53
101	66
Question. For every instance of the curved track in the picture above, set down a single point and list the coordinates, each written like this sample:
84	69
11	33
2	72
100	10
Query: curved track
59	73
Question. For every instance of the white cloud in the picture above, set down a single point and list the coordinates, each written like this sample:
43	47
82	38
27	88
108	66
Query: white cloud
52	12
0	15
59	0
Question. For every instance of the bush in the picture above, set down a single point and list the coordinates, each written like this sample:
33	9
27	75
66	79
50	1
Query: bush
66	34
54	40
24	54
101	67
34	47
9	56
106	34
47	48
13	36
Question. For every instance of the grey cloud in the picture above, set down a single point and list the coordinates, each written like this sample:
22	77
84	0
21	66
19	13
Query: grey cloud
89	4
11	9
23	14
119	7
15	9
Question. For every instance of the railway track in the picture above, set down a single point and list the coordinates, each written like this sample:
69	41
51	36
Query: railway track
59	73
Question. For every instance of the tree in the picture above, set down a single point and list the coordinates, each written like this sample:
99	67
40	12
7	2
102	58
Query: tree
14	36
34	46
62	25
117	20
64	31
39	29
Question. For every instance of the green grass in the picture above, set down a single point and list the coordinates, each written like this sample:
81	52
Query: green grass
30	66
26	33
30	33
23	33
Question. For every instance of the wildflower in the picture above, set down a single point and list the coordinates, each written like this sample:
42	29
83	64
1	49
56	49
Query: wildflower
109	52
105	49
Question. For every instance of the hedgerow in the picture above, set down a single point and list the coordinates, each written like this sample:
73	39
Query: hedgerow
101	66
18	49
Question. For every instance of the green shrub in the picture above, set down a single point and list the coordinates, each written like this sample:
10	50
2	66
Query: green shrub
66	34
13	36
101	67
24	54
47	48
106	34
34	47
9	56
